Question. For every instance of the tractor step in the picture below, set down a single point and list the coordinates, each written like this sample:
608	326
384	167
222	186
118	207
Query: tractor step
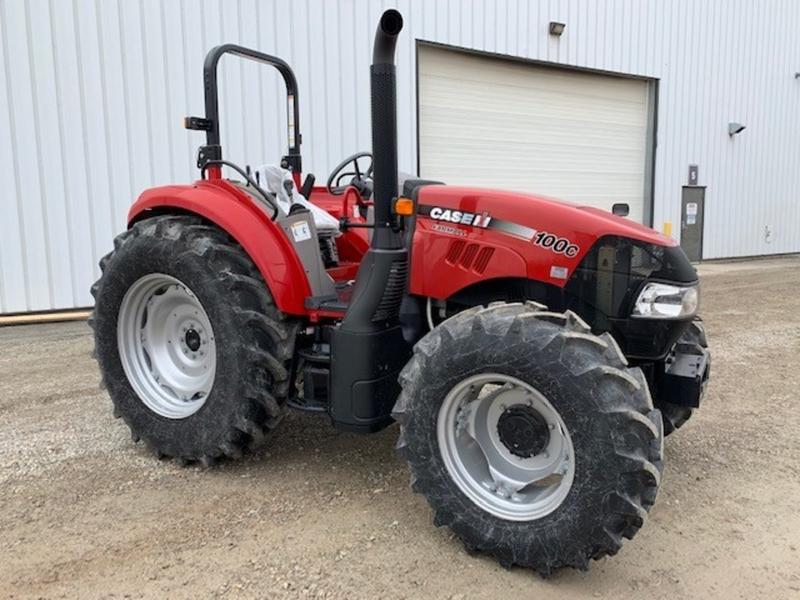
333	303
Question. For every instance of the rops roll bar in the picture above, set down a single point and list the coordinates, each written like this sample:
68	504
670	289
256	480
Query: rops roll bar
212	151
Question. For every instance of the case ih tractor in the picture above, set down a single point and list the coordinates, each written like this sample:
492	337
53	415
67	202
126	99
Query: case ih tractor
533	352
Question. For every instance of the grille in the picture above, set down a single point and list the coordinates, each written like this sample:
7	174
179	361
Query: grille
469	256
389	306
484	256
455	250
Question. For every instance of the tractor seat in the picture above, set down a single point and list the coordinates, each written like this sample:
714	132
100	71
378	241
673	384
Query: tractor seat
279	184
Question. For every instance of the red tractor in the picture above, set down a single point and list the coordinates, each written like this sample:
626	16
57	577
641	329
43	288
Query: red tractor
534	352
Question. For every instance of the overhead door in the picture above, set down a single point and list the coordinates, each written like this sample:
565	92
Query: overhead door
568	134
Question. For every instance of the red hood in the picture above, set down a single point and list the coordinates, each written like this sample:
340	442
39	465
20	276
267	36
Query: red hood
466	235
541	212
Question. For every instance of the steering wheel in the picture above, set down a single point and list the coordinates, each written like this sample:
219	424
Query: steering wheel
360	179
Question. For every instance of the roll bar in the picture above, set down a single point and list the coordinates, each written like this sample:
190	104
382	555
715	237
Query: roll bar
212	151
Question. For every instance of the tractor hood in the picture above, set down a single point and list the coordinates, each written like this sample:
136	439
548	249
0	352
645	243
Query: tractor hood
523	214
470	234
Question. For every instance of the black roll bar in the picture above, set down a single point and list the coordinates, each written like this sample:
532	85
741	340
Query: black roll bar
212	151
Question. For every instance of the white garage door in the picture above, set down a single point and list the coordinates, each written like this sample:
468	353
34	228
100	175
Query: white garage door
572	135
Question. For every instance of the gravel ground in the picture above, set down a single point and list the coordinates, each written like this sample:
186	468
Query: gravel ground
315	513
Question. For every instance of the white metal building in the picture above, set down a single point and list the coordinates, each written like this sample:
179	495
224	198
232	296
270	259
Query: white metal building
615	109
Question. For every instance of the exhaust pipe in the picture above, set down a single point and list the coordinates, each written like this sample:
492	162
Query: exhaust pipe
381	280
368	349
389	27
384	128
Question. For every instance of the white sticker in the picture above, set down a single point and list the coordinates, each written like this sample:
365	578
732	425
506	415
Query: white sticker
691	208
301	231
691	219
559	272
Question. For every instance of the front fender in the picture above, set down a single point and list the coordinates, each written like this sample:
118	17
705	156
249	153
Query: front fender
443	264
245	221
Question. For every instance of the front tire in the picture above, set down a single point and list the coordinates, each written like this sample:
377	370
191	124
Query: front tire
190	345
557	504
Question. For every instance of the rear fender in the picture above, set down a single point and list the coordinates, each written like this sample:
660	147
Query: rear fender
245	221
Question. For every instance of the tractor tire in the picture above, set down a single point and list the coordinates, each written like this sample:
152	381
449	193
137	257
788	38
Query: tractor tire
191	347
676	415
548	372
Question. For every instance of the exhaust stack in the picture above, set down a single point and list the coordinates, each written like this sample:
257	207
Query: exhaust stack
368	349
381	280
384	128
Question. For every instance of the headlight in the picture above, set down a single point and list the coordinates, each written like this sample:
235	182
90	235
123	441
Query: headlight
664	301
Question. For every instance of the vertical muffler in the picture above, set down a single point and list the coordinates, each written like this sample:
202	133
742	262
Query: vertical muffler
381	279
383	84
368	349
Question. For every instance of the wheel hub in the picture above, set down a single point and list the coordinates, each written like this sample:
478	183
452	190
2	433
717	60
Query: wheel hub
166	345
192	339
523	431
506	446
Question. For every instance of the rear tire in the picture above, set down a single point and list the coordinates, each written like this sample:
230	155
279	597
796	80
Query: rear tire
604	405
253	341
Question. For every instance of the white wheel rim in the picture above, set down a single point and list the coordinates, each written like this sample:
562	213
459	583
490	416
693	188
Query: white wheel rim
482	464
166	346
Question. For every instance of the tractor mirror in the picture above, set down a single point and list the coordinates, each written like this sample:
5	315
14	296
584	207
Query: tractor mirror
621	209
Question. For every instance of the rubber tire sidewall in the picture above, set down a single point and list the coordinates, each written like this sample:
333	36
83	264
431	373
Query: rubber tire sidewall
583	408
205	431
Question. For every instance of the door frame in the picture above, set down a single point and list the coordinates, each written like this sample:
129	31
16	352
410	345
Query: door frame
703	212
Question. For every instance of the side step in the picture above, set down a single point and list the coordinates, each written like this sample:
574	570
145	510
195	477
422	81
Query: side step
333	303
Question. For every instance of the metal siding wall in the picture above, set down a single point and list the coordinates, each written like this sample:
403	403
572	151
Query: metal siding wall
92	93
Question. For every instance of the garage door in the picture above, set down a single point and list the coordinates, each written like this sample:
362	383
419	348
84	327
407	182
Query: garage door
572	135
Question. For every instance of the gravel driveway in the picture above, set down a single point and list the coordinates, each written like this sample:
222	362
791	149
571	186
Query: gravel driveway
315	513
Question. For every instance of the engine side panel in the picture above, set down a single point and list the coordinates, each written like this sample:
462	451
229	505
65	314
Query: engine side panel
464	235
248	223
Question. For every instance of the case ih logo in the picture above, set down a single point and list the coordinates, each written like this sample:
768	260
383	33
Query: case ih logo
460	217
543	239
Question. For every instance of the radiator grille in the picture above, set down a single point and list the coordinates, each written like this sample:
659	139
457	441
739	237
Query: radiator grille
455	250
469	256
484	256
472	257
